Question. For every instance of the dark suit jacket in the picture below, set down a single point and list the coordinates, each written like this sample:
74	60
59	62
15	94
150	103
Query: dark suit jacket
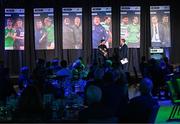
140	109
103	51
161	33
123	51
114	98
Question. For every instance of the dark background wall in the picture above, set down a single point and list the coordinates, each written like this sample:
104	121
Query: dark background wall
15	59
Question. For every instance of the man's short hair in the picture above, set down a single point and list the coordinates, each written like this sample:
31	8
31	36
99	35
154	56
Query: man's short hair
165	16
38	20
123	40
106	17
124	17
102	40
9	19
154	16
18	19
48	19
63	63
96	17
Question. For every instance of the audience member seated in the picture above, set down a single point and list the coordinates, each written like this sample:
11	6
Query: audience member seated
95	111
39	74
83	69
120	78
30	107
6	87
113	96
108	66
144	67
168	69
143	108
64	71
24	79
78	69
55	65
157	76
50	89
99	73
91	82
48	68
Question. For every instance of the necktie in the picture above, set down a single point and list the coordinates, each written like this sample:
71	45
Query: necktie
155	29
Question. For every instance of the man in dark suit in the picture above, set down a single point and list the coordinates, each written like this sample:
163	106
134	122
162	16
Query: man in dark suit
143	108
123	54
157	32
96	111
102	52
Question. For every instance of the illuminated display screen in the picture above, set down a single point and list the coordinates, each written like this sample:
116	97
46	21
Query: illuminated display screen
72	28
130	25
14	29
101	26
160	26
44	28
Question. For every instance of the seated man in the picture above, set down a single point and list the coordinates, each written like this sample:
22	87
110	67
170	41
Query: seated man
95	110
24	79
55	65
64	71
143	108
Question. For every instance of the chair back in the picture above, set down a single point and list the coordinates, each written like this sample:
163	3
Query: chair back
178	85
172	91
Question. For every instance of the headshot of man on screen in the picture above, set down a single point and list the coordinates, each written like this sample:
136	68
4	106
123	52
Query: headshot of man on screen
68	36
19	37
124	27
9	35
98	32
49	28
133	31
77	31
156	31
40	35
107	25
166	28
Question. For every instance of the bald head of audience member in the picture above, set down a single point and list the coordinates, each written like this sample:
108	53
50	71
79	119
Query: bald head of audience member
146	86
94	94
